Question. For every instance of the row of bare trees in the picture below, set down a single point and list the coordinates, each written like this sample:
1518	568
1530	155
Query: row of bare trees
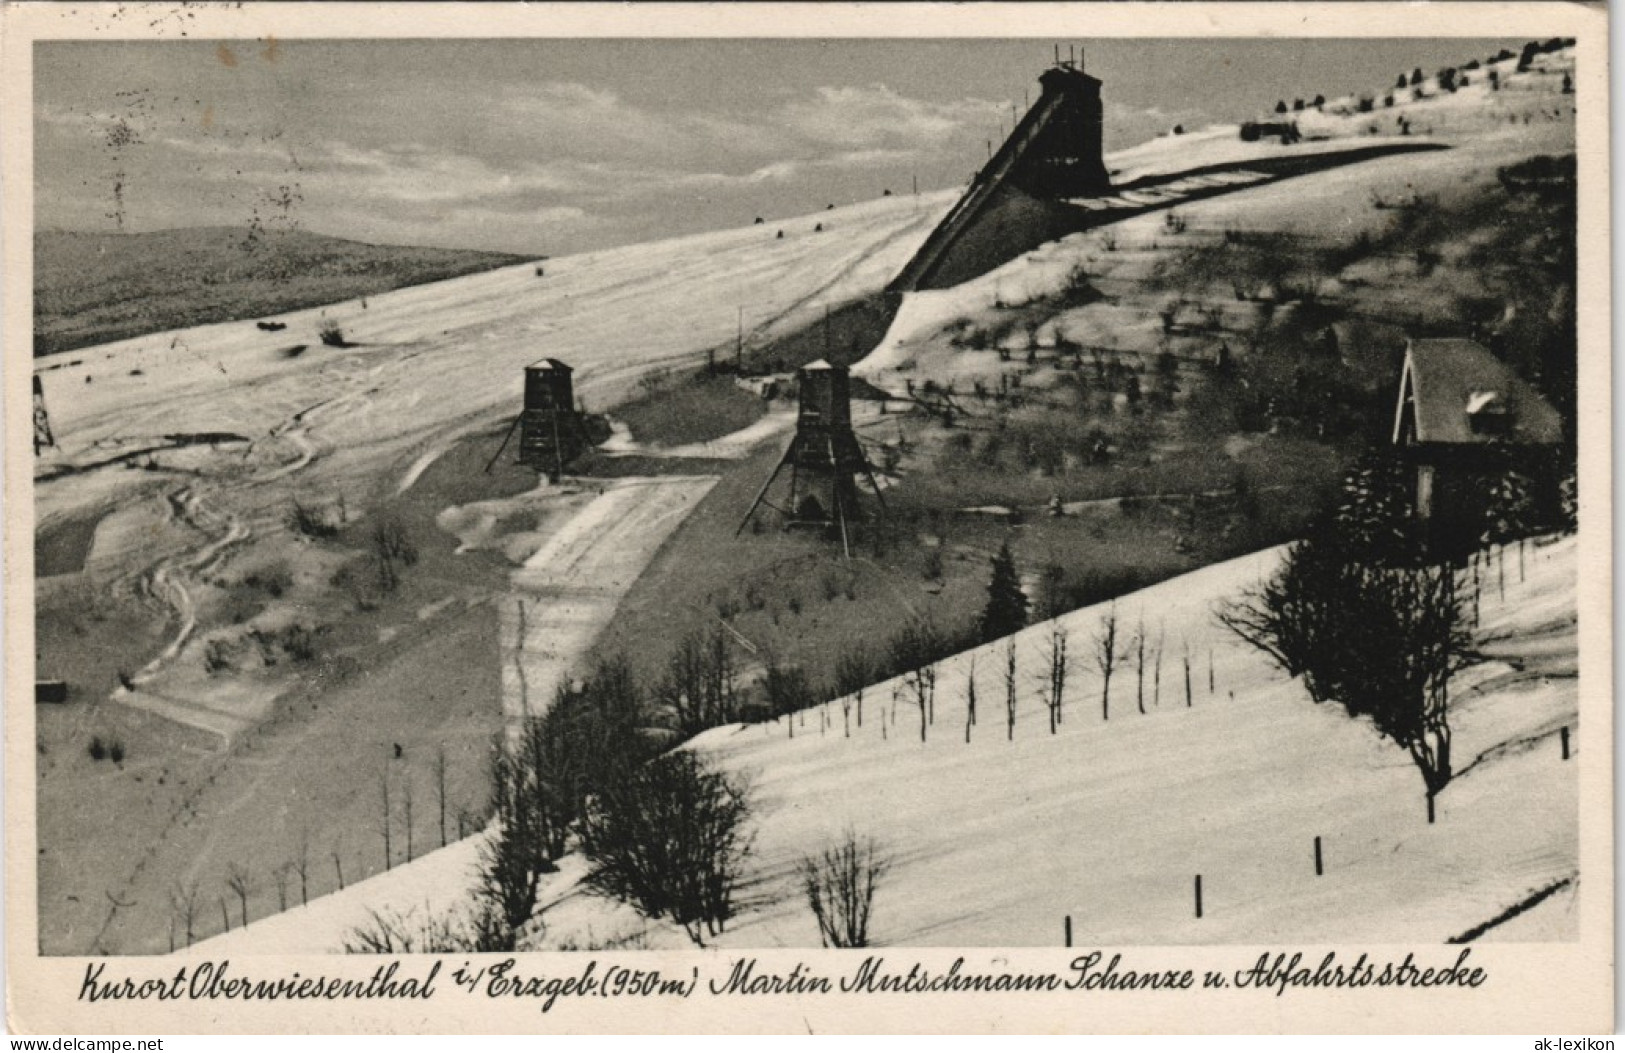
918	650
700	689
301	876
397	795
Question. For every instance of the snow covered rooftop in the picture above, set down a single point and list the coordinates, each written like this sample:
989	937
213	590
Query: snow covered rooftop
1447	383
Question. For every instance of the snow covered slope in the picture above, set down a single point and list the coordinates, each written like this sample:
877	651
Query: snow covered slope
423	367
432	356
994	841
995	836
1460	140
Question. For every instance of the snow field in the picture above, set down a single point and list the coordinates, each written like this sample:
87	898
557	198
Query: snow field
995	841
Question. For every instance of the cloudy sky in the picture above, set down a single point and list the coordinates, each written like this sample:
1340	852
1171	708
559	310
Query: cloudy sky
548	147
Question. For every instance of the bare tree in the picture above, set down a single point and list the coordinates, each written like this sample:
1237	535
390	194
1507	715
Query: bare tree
1156	676
183	905
539	787
970	697
1187	674
918	683
1294	616
928	678
241	883
393	549
1054	692
338	864
384	819
789	691
301	865
511	865
1430	643
440	790
280	876
700	687
854	671
915	651
1136	651
1106	655
401	932
840	887
1010	689
549	782
392	932
406	806
585	739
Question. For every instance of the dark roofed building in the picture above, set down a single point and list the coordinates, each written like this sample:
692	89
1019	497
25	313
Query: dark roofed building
1455	393
1463	418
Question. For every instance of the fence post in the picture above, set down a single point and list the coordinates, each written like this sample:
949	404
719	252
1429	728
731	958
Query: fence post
1564	735
1069	930
1198	895
1318	868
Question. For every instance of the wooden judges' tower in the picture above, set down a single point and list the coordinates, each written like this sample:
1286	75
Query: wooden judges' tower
551	433
825	451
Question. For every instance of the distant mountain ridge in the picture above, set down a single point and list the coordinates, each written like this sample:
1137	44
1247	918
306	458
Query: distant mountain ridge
91	288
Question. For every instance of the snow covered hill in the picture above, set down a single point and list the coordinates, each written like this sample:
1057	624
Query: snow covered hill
281	414
180	457
612	314
995	837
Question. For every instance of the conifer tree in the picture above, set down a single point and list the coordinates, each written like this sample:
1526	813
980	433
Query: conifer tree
1006	610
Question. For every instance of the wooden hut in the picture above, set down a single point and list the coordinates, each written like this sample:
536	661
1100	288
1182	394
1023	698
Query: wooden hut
1463	418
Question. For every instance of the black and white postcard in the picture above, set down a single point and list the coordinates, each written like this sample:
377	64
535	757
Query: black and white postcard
571	518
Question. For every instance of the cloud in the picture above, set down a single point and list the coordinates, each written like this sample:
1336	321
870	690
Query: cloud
548	160
850	160
575	118
601	124
876	115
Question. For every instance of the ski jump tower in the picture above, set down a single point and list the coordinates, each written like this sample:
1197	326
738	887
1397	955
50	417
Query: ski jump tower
825	451
1019	200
